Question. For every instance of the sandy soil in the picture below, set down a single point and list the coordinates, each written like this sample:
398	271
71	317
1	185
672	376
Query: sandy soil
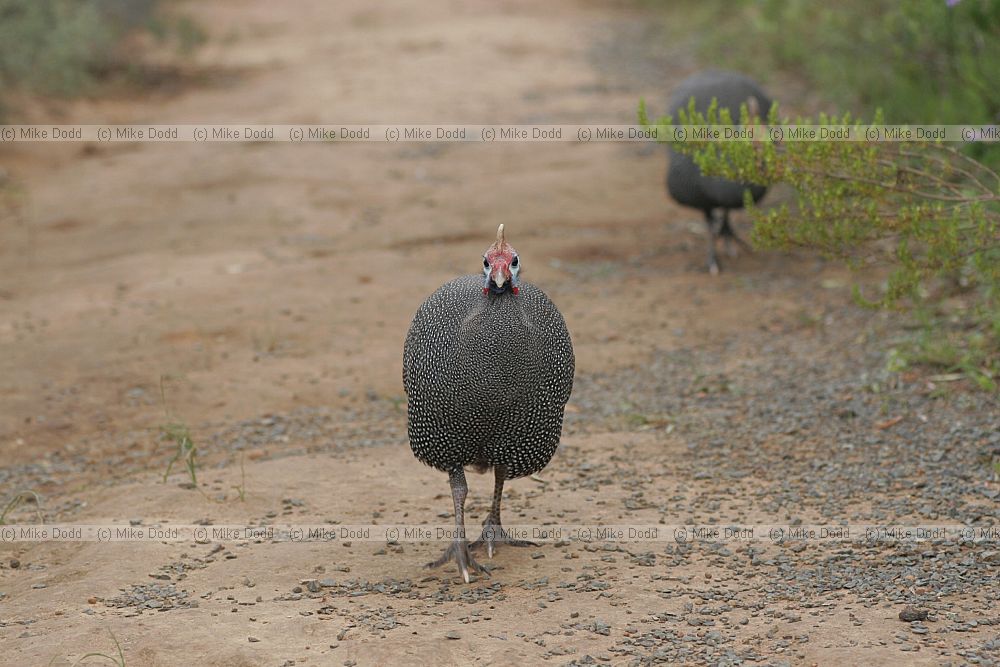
271	285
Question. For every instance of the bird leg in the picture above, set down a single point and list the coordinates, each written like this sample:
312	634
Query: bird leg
493	532
714	230
730	236
459	548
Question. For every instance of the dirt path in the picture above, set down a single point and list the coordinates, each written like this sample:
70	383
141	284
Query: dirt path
272	285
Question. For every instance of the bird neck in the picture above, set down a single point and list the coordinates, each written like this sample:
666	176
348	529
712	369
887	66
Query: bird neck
494	291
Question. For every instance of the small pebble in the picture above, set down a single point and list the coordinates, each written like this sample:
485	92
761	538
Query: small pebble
451	634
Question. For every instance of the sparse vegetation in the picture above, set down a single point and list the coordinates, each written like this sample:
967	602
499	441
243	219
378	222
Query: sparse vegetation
187	452
925	210
64	47
950	346
921	62
928	211
118	660
241	489
16	500
53	47
178	433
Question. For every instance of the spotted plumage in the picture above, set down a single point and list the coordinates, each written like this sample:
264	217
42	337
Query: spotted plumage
488	368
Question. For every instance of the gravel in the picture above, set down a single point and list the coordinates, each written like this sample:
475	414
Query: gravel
754	429
797	430
153	596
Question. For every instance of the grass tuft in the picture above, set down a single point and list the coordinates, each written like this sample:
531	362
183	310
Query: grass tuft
241	489
178	433
16	500
118	660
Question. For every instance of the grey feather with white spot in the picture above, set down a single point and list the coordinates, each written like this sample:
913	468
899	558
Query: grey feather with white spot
487	378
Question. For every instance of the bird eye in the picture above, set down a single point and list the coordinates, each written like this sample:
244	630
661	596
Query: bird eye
513	262
486	263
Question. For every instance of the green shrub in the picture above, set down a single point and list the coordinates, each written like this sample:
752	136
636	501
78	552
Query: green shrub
919	61
63	47
52	46
930	213
925	210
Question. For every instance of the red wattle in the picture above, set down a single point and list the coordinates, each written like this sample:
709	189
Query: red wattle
515	290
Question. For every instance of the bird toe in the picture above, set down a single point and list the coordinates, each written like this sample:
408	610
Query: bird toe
458	551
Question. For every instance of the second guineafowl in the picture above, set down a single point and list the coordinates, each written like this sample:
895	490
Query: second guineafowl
488	368
714	196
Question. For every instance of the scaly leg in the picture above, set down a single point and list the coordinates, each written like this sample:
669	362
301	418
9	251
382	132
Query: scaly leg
493	532
459	548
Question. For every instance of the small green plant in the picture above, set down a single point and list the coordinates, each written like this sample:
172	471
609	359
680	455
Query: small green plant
118	660
241	489
16	500
924	210
954	352
178	433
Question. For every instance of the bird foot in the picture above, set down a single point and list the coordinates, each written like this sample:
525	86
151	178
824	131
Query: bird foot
494	534
458	551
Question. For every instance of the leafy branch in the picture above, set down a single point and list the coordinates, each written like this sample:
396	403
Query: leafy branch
923	209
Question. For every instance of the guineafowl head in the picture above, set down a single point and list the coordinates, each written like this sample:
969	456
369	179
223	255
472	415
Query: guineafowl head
500	267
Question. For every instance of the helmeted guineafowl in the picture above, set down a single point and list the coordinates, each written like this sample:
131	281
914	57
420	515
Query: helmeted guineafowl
686	184
487	367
